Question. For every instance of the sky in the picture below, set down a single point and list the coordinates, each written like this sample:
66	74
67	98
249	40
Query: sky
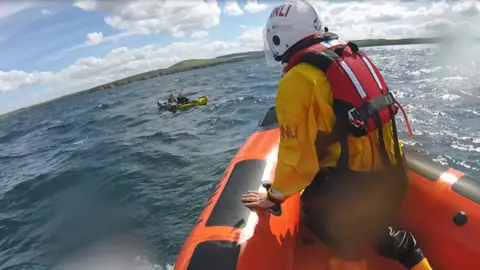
53	48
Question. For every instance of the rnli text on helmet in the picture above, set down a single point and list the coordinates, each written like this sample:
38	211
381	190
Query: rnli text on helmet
278	11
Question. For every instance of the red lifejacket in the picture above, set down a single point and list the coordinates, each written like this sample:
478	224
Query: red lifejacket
362	102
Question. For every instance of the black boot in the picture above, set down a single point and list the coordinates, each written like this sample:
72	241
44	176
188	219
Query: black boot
399	245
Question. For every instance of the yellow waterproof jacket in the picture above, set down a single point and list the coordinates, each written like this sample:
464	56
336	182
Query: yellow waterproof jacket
304	107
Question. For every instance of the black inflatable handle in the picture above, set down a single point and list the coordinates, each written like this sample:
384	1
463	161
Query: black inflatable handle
275	210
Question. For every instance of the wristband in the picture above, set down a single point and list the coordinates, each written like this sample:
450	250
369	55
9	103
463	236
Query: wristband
272	199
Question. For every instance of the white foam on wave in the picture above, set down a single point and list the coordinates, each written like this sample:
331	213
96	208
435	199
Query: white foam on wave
115	254
450	97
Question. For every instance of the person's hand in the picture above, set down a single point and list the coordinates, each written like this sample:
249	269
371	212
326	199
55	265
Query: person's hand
256	199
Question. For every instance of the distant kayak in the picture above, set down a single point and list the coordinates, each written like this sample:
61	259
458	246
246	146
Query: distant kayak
201	101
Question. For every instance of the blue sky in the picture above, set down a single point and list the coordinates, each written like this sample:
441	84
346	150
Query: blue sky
52	48
55	27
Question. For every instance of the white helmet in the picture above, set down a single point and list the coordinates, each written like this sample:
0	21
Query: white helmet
289	23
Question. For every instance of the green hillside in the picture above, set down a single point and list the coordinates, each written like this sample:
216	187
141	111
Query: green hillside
219	59
236	57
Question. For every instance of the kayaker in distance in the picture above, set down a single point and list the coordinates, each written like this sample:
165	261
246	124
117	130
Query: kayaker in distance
179	100
342	155
171	99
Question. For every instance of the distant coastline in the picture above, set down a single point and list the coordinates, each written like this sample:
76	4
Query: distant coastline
237	57
192	64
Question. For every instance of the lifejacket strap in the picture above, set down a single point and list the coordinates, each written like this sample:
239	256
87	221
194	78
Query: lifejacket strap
344	158
369	109
396	143
382	147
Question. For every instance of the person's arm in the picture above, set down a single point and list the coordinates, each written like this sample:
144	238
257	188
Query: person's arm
297	162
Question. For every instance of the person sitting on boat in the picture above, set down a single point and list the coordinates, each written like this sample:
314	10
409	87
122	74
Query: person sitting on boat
344	158
181	99
171	99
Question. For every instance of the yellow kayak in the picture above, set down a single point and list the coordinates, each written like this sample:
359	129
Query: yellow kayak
202	101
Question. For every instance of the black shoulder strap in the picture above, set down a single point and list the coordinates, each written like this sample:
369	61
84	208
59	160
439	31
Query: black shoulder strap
303	45
399	158
400	161
381	141
321	60
340	130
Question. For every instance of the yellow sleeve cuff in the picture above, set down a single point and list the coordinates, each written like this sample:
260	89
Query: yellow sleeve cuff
423	265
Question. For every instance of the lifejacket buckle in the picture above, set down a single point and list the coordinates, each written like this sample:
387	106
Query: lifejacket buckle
354	117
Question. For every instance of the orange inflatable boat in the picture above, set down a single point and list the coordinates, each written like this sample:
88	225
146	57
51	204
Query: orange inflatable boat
441	209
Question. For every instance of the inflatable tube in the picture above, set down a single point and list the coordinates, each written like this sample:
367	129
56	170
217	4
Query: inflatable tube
441	209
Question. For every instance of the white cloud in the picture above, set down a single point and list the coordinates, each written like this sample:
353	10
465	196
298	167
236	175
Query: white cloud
123	62
435	9
252	35
467	8
87	5
437	25
438	8
393	19
386	16
199	34
432	28
176	17
14	79
156	17
100	38
46	12
178	34
232	8
444	27
351	13
355	12
253	6
94	38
